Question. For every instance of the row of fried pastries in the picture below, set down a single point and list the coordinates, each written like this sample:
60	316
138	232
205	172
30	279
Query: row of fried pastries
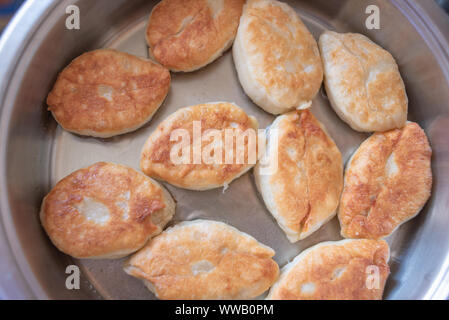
110	211
105	92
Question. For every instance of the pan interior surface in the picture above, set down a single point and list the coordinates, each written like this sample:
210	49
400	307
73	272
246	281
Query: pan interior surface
39	153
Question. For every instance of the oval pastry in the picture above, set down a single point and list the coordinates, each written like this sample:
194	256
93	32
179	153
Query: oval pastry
190	148
104	93
187	35
341	270
276	57
105	211
387	182
303	193
204	260
363	82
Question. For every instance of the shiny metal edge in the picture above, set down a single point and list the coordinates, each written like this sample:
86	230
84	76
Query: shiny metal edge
12	46
434	28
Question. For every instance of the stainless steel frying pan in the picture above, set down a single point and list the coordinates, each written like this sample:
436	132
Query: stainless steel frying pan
35	153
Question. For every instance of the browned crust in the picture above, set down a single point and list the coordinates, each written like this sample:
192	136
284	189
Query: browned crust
363	82
280	49
155	159
240	267
374	203
136	89
186	35
337	271
105	183
309	180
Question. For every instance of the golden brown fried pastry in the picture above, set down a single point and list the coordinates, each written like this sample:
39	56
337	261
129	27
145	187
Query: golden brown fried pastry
187	35
104	93
201	166
276	57
303	193
387	182
204	260
363	82
105	211
341	270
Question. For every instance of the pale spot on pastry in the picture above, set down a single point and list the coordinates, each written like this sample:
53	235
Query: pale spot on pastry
94	211
308	288
202	266
387	182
